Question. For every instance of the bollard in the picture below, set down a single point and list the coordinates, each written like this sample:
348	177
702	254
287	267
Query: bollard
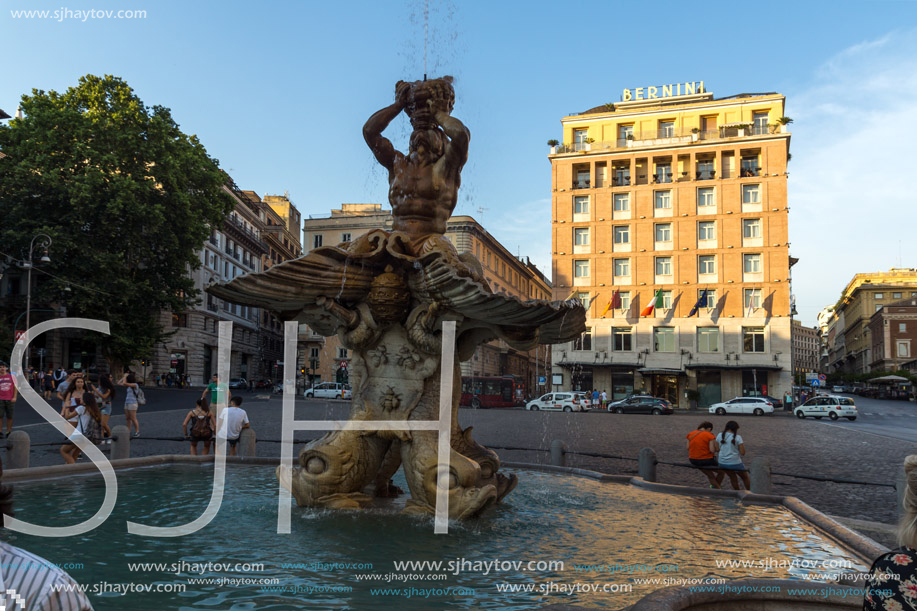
760	475
247	443
901	488
120	442
18	446
558	453
647	464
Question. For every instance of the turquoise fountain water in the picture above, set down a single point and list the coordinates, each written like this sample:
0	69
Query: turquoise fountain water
606	536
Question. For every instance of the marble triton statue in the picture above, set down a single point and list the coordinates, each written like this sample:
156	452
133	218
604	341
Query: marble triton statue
385	295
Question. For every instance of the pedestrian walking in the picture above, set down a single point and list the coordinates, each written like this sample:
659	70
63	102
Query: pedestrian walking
131	403
75	391
8	395
730	448
59	376
105	392
892	576
47	384
215	389
701	453
232	420
202	427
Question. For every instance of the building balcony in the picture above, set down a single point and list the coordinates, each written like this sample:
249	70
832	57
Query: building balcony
670	137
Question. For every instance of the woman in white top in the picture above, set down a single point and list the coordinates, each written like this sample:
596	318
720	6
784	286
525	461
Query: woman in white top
73	398
88	418
130	402
730	448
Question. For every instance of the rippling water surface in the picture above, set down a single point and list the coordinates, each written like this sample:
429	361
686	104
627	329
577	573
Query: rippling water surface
622	534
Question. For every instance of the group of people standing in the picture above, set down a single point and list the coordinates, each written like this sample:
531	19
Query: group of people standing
718	456
204	423
599	399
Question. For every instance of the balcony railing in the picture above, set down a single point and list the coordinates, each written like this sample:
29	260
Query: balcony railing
749	172
662	177
668	136
705	175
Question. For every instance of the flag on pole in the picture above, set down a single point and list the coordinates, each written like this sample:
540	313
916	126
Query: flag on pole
701	302
655	303
614	304
751	305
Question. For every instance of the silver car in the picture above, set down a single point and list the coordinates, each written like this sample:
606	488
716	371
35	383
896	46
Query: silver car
559	401
744	405
329	390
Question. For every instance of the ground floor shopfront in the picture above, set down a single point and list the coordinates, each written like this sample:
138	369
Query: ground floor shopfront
712	384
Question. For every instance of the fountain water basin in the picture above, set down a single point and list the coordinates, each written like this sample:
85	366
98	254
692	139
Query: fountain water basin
557	538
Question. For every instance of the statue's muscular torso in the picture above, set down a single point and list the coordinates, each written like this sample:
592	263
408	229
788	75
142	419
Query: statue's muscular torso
422	195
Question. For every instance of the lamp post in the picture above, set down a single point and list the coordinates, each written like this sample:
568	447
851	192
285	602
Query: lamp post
29	264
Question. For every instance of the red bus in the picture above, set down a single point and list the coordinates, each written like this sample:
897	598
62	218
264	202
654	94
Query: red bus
483	391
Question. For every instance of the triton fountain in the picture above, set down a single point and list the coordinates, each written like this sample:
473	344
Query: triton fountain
386	295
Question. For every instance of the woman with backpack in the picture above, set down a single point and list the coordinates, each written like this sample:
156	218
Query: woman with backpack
88	426
202	427
131	402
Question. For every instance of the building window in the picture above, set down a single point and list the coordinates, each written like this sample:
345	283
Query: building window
581	236
904	349
751	264
579	139
666	299
751	194
710	302
664	339
625	300
584	341
345	236
581	269
760	123
663	200
622	267
752	299
896	295
706	230
663	266
667	129
622	234
708	339
753	339
625	131
663	172
706	264
902	327
180	320
705	169
342	353
705	198
878	307
583	298
664	232
749	167
581	204
751	228
316	241
582	179
622	202
880	295
622	339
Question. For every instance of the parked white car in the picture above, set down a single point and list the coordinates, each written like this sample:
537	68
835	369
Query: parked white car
744	405
832	406
559	401
329	390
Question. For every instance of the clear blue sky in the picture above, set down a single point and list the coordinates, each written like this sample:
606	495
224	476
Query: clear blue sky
279	91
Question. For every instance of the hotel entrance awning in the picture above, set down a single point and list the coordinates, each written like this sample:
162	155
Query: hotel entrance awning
661	372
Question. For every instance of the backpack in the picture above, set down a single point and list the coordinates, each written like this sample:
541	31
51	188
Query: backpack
93	430
141	398
201	428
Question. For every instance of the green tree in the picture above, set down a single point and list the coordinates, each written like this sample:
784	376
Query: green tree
127	198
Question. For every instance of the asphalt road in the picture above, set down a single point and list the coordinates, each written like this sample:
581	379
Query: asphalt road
871	449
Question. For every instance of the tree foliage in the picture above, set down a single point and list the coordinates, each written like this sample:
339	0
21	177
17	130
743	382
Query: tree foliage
127	198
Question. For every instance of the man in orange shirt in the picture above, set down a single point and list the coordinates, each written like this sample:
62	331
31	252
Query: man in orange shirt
701	455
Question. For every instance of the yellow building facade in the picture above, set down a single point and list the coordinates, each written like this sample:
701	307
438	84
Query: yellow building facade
659	199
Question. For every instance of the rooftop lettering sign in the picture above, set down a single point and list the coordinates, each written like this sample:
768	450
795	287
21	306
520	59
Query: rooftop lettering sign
665	91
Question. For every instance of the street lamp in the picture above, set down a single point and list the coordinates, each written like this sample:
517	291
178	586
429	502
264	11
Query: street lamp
29	264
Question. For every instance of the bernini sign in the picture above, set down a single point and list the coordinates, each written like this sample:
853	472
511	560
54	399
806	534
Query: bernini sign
665	91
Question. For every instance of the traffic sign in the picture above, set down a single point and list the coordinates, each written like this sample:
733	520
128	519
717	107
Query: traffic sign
343	364
822	378
816	383
20	335
542	380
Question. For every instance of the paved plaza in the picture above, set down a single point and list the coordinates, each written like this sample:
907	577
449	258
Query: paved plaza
861	450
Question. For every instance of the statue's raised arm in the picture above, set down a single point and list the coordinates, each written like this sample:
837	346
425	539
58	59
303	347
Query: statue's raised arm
382	148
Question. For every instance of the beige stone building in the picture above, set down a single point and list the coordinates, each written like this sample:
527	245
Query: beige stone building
503	271
863	296
806	348
663	199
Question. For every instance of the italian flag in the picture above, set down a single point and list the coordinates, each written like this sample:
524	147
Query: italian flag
655	303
